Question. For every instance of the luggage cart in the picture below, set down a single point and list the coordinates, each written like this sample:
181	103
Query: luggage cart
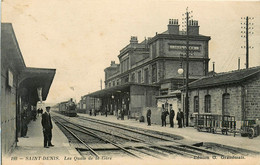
228	124
216	123
205	122
250	128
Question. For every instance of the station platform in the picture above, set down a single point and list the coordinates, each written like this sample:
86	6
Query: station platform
189	133
33	145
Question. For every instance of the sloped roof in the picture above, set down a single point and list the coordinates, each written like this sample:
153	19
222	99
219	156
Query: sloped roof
225	78
10	47
30	78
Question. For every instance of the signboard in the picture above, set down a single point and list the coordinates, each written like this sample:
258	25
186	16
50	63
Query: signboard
10	78
183	47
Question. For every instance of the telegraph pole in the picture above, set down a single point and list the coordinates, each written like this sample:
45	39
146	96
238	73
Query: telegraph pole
248	30
187	69
247	53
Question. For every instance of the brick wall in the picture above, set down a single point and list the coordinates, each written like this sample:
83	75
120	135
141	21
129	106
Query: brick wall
252	101
216	93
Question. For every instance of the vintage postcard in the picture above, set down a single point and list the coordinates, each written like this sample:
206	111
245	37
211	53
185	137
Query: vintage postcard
130	82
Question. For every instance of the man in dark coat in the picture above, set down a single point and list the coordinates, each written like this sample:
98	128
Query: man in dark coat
148	116
163	116
47	127
166	113
180	117
24	123
172	114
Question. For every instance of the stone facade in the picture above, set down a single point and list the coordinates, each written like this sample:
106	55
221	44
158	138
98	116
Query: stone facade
165	54
244	98
252	100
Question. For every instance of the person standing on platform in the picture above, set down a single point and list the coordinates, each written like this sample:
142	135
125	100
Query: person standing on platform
118	114
166	113
163	116
38	111
34	113
24	119
41	111
47	128
180	118
148	116
106	112
95	112
122	114
172	114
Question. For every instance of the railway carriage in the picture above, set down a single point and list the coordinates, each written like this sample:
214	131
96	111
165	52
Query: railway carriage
68	108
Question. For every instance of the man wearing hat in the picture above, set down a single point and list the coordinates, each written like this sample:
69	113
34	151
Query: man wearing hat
47	127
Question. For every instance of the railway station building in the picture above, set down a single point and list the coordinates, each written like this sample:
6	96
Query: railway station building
147	74
21	88
234	93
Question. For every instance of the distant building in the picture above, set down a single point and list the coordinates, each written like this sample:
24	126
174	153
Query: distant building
88	103
235	93
147	73
21	88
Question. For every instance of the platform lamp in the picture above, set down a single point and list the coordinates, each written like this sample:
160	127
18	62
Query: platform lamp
39	92
181	72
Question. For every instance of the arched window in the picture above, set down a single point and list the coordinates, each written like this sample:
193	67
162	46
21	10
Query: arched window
225	104
207	104
196	103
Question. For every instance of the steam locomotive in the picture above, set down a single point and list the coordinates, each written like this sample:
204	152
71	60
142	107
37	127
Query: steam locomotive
68	108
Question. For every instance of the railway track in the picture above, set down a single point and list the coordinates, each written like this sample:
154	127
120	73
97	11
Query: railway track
73	131
179	146
214	149
117	137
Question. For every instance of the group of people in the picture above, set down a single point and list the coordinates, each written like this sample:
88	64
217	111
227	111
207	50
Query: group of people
92	112
164	114
120	114
36	113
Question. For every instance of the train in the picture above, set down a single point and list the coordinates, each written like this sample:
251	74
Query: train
68	108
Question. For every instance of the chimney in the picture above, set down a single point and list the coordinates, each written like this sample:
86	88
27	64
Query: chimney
113	63
193	27
173	27
133	40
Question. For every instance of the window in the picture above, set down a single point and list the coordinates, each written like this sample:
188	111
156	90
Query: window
125	65
133	77
139	77
125	79
109	84
146	76
154	73
196	103
114	83
207	103
226	104
154	50
117	82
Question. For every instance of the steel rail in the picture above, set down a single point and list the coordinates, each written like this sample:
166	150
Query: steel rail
148	134
73	134
183	153
106	140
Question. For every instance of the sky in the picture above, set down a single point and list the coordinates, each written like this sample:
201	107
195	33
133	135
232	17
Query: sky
80	38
